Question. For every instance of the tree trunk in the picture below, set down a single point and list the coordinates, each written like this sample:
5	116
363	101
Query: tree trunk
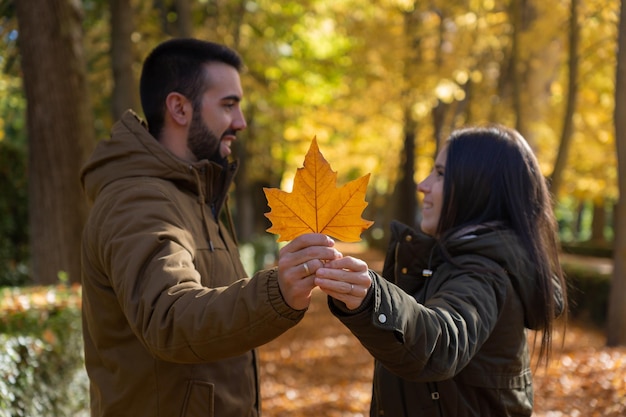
246	211
124	94
406	190
404	205
572	93
439	118
183	25
598	222
616	323
60	133
184	22
516	65
532	67
577	224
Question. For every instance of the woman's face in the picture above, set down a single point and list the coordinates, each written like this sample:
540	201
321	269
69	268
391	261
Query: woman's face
432	187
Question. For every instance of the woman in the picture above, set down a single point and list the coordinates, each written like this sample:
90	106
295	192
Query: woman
447	322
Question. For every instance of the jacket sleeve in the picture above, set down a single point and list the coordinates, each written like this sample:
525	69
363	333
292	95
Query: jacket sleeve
148	260
434	339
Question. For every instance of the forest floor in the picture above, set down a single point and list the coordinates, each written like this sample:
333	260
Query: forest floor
319	369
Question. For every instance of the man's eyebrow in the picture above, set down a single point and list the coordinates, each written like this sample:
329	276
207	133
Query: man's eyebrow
232	97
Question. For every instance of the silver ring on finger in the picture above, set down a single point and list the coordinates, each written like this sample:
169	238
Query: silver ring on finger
306	269
351	289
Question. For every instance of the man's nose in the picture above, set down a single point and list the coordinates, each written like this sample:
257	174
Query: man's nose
239	123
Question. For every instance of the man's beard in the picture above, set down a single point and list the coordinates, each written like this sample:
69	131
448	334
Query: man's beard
202	142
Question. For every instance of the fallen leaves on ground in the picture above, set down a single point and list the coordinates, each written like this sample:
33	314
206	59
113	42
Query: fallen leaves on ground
316	204
315	369
319	369
584	379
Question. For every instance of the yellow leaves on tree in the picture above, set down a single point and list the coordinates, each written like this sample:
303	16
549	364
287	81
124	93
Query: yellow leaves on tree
316	205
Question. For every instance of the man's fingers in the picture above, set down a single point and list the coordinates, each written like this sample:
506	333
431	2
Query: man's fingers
348	262
307	240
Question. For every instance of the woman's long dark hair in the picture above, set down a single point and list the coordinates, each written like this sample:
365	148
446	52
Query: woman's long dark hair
491	175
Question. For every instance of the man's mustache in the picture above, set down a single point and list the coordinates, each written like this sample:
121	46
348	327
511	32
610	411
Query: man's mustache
229	132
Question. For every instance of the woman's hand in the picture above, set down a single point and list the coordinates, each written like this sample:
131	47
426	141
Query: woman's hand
297	263
346	279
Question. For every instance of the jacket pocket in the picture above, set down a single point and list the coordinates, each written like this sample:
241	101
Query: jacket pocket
397	397
199	400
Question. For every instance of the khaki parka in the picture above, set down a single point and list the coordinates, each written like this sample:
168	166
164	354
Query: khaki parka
170	320
449	333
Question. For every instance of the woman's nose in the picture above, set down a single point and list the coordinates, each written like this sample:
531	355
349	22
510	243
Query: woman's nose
422	186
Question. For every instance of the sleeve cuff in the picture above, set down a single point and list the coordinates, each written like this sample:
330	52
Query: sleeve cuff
276	298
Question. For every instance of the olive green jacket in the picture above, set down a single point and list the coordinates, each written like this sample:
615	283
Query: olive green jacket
449	333
170	320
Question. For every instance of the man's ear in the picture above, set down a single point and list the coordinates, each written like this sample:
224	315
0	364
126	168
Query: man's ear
179	108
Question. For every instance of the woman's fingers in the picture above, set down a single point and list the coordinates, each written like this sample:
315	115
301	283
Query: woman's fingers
346	279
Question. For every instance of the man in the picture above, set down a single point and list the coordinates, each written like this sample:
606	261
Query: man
170	322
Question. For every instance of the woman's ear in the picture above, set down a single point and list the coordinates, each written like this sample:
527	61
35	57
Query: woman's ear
179	108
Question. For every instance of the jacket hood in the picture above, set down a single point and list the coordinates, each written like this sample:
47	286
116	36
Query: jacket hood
493	243
502	246
133	152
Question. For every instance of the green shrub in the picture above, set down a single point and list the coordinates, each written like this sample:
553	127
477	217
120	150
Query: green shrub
41	354
588	291
594	249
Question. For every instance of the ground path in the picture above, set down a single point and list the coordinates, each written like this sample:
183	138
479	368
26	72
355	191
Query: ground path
318	369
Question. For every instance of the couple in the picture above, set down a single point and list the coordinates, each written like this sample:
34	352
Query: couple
171	322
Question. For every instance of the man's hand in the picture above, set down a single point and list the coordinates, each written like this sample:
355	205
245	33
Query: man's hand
297	263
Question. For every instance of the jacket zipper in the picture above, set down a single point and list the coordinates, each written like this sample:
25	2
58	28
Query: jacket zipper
432	386
434	395
427	273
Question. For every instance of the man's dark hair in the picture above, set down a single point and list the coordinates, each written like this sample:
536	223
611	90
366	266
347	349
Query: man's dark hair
177	65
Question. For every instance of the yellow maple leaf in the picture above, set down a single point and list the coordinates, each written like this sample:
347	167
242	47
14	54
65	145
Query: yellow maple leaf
316	205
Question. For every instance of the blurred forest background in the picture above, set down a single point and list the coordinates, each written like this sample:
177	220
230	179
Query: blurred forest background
380	84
